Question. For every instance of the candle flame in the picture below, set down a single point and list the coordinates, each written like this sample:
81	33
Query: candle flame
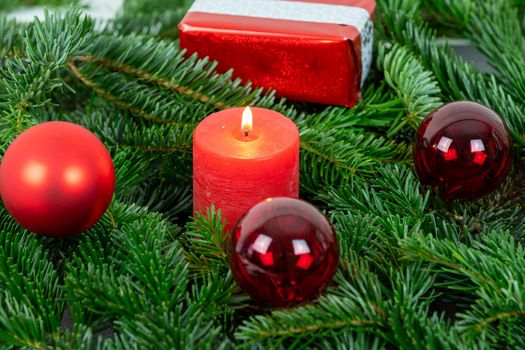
247	121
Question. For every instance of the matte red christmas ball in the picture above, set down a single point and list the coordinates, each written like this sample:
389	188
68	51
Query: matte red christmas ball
463	149
57	179
284	252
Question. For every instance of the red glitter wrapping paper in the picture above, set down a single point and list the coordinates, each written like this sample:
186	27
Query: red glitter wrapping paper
311	51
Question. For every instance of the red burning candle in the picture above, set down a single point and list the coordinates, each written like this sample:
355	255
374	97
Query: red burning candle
240	159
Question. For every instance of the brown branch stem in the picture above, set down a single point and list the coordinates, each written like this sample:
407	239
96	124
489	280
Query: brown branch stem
108	96
151	78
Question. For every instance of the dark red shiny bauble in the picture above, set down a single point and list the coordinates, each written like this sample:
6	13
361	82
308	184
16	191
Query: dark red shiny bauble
57	179
463	149
284	252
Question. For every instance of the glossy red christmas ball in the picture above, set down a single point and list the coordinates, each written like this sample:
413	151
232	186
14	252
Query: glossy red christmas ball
284	252
464	150
57	179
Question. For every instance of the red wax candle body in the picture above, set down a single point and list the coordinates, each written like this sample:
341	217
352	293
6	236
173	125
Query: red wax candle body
235	170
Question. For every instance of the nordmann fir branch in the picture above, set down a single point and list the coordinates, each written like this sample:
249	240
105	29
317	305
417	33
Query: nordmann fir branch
115	126
26	82
164	65
118	102
140	74
415	85
499	303
458	79
505	55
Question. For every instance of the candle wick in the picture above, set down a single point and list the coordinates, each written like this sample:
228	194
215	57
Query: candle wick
246	133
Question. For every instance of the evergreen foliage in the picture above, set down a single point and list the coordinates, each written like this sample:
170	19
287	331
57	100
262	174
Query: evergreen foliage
415	273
